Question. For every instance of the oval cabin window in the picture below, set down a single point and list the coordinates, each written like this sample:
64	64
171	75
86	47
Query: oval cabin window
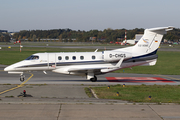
82	57
59	58
93	57
67	57
74	57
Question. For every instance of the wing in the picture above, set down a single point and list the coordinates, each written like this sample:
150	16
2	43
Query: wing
87	68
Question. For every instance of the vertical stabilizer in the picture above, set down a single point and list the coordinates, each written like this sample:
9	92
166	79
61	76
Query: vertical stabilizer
150	41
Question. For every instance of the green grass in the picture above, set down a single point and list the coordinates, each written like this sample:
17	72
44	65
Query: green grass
63	44
88	92
141	93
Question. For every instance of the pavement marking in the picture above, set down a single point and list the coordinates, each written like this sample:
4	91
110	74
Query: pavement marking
94	93
172	78
21	85
27	79
138	79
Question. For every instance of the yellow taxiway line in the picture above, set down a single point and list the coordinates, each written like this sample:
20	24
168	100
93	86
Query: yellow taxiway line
21	85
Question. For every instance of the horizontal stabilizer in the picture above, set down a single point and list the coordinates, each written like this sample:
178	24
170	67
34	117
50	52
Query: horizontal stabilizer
161	28
153	62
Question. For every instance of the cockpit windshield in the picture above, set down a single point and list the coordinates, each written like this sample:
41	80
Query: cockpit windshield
33	57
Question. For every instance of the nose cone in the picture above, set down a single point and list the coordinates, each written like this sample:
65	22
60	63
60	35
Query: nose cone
9	68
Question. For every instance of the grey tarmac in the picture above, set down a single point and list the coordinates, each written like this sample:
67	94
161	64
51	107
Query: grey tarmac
88	112
62	97
55	78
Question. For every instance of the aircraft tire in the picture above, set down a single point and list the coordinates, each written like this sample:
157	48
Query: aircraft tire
94	79
21	78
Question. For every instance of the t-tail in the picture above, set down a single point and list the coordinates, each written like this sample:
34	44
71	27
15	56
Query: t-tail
148	45
150	41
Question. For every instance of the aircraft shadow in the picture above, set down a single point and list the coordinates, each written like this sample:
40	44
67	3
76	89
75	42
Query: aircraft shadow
70	80
114	80
22	95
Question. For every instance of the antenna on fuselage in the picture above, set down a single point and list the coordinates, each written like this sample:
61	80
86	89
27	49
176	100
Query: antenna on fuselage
96	50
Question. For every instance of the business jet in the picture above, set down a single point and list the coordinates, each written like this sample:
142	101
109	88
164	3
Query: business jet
91	64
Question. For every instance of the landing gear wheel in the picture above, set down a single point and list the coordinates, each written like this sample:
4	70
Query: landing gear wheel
93	79
22	78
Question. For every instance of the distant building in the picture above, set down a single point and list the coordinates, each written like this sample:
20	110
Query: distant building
138	36
12	33
132	42
92	38
119	39
101	39
3	31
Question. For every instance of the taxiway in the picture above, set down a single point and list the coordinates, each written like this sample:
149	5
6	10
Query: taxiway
107	79
57	96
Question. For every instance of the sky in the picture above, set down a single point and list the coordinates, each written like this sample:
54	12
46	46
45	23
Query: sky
16	15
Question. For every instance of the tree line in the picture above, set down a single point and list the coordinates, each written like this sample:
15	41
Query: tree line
4	37
107	35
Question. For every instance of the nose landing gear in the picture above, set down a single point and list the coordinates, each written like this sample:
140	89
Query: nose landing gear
22	77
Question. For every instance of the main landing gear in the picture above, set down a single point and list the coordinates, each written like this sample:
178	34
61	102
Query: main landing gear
93	79
90	76
22	77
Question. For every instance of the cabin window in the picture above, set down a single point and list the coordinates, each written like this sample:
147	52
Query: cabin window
59	58
82	57
67	57
74	57
93	57
32	57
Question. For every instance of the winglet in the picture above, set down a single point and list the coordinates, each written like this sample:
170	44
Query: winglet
119	63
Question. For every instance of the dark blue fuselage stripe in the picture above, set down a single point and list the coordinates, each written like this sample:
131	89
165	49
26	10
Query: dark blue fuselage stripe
149	54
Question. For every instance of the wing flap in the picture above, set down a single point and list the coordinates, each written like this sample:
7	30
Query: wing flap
87	68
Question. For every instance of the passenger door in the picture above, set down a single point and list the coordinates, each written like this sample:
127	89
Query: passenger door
52	61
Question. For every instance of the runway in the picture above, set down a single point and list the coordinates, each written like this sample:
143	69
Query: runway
109	79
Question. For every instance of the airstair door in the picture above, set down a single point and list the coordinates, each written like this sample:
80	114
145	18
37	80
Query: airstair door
51	61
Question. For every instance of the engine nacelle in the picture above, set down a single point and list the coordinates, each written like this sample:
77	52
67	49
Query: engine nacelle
111	56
